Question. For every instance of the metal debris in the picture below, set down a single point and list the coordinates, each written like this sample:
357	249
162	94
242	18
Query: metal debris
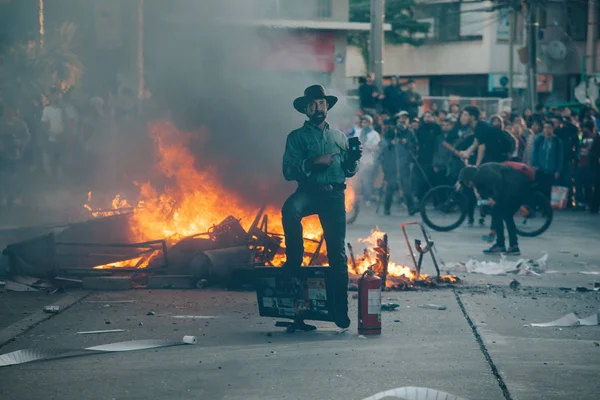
433	307
99	332
52	309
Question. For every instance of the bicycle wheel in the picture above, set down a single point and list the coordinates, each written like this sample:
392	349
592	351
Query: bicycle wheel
535	217
443	208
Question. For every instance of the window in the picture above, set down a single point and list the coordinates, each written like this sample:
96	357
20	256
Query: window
577	16
324	8
449	22
300	9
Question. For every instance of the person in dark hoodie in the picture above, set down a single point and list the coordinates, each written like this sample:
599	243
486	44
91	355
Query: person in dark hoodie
427	136
505	189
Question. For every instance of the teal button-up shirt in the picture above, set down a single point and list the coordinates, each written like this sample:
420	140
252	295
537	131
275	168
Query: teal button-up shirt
308	142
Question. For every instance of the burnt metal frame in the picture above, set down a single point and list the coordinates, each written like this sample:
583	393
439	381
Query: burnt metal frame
149	247
422	250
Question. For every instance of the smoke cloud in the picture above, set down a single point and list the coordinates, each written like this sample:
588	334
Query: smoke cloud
209	72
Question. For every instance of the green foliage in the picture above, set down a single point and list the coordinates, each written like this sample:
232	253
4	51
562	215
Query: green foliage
28	71
398	13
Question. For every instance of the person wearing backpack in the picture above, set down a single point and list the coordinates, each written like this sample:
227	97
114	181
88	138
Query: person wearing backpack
547	159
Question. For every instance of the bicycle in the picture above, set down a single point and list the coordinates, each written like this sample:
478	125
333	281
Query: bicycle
450	203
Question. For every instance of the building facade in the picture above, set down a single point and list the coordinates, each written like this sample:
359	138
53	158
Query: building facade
466	52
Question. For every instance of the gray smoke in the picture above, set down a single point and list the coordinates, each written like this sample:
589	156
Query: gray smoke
209	73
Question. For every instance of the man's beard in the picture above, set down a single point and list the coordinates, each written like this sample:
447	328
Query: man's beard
317	118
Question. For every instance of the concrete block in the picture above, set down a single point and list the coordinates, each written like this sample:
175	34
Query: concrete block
107	283
171	282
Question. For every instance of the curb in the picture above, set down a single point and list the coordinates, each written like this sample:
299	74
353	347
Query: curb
11	332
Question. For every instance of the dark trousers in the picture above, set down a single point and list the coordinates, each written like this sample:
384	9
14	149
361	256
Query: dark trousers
544	181
583	185
471	202
595	197
423	179
330	208
392	187
505	214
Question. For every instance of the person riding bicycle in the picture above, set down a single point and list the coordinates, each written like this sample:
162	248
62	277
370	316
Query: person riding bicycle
506	189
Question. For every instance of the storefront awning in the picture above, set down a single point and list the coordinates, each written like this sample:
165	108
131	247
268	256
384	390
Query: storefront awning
311	24
325	25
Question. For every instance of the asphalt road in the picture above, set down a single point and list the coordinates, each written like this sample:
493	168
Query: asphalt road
242	356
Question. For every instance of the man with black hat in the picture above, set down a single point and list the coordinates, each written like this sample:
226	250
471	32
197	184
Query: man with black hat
319	159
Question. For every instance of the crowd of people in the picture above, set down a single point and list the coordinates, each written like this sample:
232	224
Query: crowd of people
62	141
415	153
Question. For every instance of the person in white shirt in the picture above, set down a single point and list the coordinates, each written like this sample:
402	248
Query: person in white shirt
53	126
369	139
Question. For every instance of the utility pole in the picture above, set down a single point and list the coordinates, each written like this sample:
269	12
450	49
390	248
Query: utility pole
377	40
590	59
140	55
511	52
532	56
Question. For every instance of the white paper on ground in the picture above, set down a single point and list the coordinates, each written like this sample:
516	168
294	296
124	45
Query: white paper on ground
30	355
570	320
503	267
414	393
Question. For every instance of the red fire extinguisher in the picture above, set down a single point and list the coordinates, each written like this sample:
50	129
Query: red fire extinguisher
369	304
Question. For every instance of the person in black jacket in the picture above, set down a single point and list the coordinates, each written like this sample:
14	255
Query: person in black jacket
392	97
506	189
368	94
411	100
568	133
427	137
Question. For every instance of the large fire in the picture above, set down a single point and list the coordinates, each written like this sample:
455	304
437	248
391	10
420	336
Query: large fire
195	200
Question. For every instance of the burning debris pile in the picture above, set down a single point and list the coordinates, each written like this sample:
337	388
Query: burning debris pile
171	232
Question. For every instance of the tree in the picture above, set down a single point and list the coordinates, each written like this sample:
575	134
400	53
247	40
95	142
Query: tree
398	13
28	71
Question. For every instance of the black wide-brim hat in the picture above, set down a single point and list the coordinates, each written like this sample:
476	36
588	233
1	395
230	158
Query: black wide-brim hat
311	93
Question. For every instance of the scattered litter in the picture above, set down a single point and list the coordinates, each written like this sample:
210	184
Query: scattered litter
189	340
355	296
150	313
413	393
98	332
52	309
514	284
432	307
396	320
570	320
194	316
18	287
29	355
504	267
389	306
